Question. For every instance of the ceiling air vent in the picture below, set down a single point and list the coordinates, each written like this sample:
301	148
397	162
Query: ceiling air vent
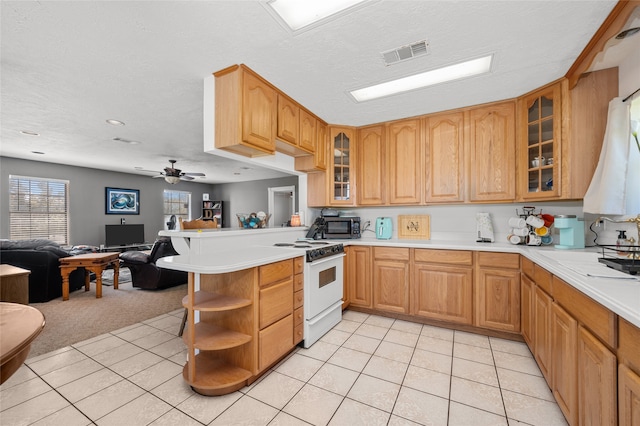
403	53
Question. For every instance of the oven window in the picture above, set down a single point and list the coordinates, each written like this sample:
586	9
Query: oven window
338	227
326	277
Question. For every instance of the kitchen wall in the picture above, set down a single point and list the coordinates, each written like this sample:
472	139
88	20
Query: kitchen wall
248	197
87	197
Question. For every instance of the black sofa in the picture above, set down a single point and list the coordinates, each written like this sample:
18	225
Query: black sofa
42	258
144	272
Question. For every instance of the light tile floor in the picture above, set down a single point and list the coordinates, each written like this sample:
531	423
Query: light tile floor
368	370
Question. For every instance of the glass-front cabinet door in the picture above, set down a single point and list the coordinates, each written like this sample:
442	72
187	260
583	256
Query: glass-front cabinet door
541	147
341	175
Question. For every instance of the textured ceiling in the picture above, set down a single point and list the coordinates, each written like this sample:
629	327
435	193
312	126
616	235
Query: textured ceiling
69	66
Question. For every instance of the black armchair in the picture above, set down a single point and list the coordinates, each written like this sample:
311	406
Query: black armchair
144	272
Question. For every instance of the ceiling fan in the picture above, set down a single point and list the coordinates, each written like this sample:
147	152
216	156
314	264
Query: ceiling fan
172	175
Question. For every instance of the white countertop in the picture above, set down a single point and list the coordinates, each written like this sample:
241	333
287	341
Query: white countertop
622	296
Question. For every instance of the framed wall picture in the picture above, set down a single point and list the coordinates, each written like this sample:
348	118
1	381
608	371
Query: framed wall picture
122	201
416	227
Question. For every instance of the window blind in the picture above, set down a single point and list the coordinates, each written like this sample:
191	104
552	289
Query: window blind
38	208
177	203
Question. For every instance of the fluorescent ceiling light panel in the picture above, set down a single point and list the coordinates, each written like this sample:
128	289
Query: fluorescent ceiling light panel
429	78
298	14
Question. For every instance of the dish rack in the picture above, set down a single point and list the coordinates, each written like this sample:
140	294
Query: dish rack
625	259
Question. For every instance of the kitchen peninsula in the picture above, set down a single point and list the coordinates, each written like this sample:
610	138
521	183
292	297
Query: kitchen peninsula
241	303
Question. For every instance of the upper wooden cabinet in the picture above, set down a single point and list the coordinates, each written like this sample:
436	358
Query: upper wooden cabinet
444	150
246	109
317	162
308	134
492	153
341	172
288	120
540	142
296	134
371	165
404	175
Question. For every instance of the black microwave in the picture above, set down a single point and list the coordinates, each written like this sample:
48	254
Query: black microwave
341	228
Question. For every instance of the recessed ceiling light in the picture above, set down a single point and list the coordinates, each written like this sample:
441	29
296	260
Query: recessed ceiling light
236	173
29	133
37	152
115	122
429	78
299	14
129	141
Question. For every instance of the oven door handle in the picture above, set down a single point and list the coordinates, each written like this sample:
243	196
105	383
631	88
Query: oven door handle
326	259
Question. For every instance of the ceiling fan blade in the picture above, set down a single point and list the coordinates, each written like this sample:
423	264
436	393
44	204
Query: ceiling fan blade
184	177
194	174
158	176
150	171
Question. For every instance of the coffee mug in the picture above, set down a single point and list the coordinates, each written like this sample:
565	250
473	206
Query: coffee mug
534	239
521	232
517	222
515	239
546	240
542	231
535	221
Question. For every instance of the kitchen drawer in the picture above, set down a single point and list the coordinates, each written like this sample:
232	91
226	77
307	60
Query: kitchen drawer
275	341
275	302
298	282
498	260
542	278
391	253
298	299
275	272
450	257
598	319
527	267
298	265
298	334
298	316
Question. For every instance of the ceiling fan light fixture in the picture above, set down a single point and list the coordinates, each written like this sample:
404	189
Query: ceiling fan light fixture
429	78
172	179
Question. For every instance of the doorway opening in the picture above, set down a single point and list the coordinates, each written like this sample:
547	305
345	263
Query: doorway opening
282	204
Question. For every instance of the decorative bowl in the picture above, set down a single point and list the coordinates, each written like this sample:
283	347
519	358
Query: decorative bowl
253	220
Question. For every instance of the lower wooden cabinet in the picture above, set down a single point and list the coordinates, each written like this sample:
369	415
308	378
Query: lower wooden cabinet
441	291
542	303
360	276
275	341
564	335
346	292
391	279
527	292
497	291
597	399
628	397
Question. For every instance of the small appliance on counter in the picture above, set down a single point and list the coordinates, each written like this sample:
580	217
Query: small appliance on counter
571	232
484	228
384	228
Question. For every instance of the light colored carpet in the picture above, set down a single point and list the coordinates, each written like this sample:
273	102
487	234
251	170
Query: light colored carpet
124	276
83	316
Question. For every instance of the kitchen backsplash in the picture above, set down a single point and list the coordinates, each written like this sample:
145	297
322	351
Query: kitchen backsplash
458	222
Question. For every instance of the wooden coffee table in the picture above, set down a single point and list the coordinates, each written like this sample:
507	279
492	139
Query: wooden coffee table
92	262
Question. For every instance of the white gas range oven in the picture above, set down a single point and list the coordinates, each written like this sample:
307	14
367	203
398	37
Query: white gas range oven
323	286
